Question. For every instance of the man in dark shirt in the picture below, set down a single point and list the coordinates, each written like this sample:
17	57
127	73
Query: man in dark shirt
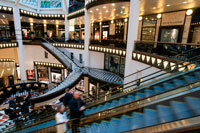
77	107
68	96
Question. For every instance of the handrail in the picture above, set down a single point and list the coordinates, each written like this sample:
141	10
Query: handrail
124	86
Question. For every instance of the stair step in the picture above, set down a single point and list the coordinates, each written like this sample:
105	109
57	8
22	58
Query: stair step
158	89
148	92
194	104
165	113
168	86
137	120
180	110
150	117
139	95
124	123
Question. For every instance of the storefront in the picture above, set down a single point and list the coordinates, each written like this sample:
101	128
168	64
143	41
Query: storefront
114	63
172	26
50	72
149	28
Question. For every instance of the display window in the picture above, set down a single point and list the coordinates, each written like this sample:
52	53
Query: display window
56	75
43	74
149	29
169	35
30	74
114	63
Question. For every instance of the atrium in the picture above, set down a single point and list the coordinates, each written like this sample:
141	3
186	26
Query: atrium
99	66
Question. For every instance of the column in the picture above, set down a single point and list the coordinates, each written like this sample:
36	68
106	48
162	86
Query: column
18	32
132	37
87	39
125	29
66	27
157	29
186	29
57	30
139	31
45	30
100	31
86	85
32	30
98	91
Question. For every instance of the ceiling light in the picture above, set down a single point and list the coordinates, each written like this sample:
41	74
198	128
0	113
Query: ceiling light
159	16
140	18
123	7
125	20
117	14
4	16
91	11
100	13
104	7
106	11
168	5
112	22
113	4
97	9
189	12
185	2
154	8
114	9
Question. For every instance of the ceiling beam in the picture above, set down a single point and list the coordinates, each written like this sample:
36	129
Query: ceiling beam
17	2
39	4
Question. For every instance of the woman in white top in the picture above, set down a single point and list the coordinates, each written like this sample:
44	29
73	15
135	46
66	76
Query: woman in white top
61	117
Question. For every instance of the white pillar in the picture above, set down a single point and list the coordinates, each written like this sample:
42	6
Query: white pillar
57	30
186	29
139	30
132	36
18	32
87	39
32	30
157	29
86	86
66	27
125	30
100	31
45	29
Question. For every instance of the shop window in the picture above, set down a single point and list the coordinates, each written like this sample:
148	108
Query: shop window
45	54
114	63
148	30
169	35
43	74
80	58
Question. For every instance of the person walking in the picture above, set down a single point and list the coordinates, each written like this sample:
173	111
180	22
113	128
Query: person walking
68	96
77	107
61	119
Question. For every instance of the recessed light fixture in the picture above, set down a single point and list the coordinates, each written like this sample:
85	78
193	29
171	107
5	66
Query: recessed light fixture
123	7
189	12
159	16
91	11
113	4
106	11
4	16
104	6
154	8
168	5
97	9
185	2
140	18
114	9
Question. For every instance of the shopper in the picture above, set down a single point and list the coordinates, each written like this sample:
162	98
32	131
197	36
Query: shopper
68	96
77	107
61	119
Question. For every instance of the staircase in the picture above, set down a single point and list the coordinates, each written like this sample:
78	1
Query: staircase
77	71
171	83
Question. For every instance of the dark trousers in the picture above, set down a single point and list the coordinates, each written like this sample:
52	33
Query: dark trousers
75	125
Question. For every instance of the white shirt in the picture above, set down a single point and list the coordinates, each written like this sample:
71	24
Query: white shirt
60	118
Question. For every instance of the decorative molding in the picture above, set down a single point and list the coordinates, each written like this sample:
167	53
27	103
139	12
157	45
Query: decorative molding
103	49
8	45
7	60
41	15
5	9
77	13
69	45
38	63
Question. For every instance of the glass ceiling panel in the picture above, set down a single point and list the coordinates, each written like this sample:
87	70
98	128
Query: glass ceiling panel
32	3
44	3
50	4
